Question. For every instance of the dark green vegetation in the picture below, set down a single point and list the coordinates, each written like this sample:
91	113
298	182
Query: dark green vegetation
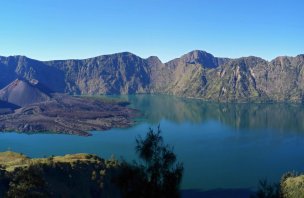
197	74
157	175
84	175
290	186
78	175
267	190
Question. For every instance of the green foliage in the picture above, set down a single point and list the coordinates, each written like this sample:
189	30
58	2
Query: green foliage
156	175
77	175
27	182
4	181
292	185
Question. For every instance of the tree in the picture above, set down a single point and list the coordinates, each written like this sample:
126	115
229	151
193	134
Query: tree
4	181
157	174
27	182
267	190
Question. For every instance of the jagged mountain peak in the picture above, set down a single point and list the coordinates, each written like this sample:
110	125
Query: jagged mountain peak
197	56
17	57
120	54
154	60
249	60
203	58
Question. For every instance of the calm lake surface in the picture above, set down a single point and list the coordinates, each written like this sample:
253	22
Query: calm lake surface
221	145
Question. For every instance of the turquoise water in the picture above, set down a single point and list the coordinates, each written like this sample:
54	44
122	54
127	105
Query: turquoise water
221	145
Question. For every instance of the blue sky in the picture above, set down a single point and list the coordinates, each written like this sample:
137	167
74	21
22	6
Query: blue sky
62	29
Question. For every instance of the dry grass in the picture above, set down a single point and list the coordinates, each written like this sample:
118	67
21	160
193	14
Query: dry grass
293	187
11	160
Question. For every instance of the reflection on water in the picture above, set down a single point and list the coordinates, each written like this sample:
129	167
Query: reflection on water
281	117
222	146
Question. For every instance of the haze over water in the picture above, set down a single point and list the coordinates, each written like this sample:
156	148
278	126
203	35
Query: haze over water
221	145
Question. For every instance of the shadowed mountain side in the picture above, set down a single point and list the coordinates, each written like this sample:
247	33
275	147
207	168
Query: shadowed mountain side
261	116
25	68
4	104
6	107
196	74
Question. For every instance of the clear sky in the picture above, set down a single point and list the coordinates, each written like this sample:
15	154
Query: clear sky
62	29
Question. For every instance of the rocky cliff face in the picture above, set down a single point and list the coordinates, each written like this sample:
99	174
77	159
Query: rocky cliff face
111	74
196	74
14	67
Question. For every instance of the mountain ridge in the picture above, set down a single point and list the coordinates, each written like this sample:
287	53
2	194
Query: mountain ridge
197	74
127	52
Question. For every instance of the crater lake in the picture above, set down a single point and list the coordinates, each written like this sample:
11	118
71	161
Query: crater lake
222	146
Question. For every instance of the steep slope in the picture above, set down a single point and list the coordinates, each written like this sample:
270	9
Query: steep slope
25	68
285	78
121	73
7	71
236	81
200	75
187	76
22	93
196	74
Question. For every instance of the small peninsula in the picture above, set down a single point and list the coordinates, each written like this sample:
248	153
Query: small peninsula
30	108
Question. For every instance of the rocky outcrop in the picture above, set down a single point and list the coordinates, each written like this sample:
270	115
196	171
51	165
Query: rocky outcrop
111	74
196	74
